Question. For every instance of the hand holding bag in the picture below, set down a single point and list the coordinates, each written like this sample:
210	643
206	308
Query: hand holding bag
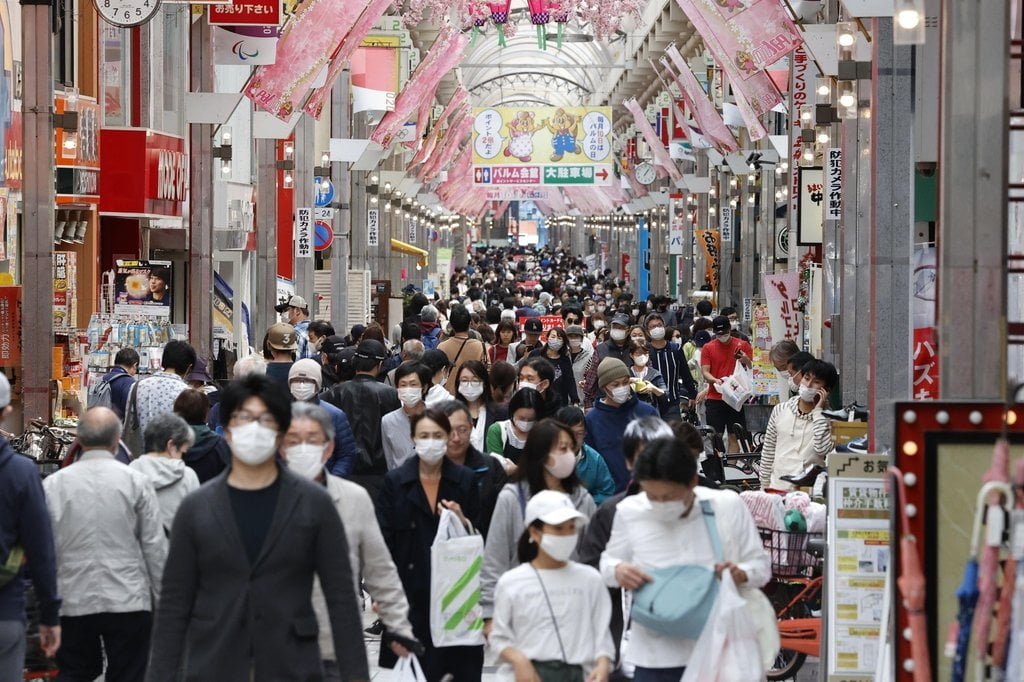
408	669
737	389
456	557
728	649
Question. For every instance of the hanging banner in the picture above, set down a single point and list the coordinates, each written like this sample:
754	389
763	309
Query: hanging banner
143	287
834	184
766	379
244	45
661	155
542	146
10	326
781	292
372	227
644	245
698	104
711	243
810	217
304	233
800	89
374	74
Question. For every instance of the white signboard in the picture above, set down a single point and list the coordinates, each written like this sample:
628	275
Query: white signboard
412	231
516	193
675	241
834	184
304	233
372	227
812	197
725	223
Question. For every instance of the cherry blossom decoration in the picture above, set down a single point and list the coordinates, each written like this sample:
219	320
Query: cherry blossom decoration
540	16
605	16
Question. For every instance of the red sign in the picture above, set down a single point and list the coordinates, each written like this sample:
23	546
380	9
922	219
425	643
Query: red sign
10	326
149	171
246	13
926	364
323	235
77	154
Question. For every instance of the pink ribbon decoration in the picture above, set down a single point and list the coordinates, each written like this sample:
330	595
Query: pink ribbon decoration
661	157
353	39
302	52
446	51
429	144
455	136
704	112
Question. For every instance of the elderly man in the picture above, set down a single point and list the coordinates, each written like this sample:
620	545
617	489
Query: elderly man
412	351
110	555
307	448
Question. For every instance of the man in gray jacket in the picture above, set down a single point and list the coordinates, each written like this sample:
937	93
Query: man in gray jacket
111	549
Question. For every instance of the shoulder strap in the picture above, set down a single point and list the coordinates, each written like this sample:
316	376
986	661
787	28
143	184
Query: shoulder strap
551	612
709	521
455	362
522	498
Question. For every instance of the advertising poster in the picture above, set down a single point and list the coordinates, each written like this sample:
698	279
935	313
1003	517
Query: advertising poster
781	292
143	288
375	72
10	326
766	379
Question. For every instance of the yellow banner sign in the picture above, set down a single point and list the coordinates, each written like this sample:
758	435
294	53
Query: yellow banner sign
542	136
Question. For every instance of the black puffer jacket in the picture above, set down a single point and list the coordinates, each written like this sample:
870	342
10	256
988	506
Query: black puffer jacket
365	401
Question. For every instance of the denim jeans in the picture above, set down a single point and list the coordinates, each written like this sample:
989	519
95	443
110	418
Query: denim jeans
12	650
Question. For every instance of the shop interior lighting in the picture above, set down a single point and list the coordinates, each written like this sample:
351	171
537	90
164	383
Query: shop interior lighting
823	136
908	23
80	230
223	150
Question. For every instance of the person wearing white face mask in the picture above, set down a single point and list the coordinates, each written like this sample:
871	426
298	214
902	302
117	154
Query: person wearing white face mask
551	614
473	388
411	380
580	352
611	414
799	436
675	522
408	509
548	463
562	390
304	381
506	439
244	550
307	447
617	346
647	382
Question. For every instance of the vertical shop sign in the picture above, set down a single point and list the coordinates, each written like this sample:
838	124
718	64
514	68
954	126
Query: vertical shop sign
781	292
926	364
834	184
644	273
811	203
372	227
798	86
304	233
766	379
711	242
725	224
61	281
10	326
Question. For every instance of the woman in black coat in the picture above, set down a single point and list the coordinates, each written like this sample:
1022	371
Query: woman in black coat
408	510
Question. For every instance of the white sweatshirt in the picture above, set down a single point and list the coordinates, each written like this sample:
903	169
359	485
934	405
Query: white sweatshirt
581	606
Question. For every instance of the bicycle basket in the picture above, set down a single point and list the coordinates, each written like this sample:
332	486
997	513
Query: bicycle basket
788	552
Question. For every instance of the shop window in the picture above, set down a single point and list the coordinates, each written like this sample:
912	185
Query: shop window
115	48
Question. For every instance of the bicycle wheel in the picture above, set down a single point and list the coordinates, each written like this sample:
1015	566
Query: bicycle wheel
787	662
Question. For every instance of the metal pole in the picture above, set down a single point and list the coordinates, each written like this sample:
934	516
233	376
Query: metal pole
201	238
38	200
266	235
972	200
340	127
306	158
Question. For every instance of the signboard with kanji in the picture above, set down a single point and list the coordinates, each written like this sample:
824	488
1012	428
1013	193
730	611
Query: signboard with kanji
304	233
542	146
810	216
372	227
834	184
246	13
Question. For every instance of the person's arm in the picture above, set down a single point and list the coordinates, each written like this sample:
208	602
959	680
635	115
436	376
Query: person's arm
178	592
745	353
616	567
604	484
822	427
386	512
149	529
569	380
498	549
595	537
705	369
335	573
344	457
379	573
771	437
503	635
493	444
685	376
35	534
601	618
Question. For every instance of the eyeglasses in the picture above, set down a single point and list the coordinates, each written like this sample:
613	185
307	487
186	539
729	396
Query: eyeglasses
266	419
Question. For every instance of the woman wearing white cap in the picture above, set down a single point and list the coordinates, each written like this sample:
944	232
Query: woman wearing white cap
551	615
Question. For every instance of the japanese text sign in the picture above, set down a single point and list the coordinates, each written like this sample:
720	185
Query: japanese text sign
304	233
246	13
834	184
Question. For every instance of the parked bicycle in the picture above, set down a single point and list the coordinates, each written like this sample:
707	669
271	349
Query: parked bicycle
45	444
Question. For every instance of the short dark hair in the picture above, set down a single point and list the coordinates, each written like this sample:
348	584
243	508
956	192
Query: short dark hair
503	374
539	443
543	367
704	308
800	359
493	314
278	401
410	331
179	356
666	459
450	407
419	369
823	371
459	318
480	372
433	414
435	360
193	406
126	357
688	433
727	311
526	398
321	328
570	415
161	273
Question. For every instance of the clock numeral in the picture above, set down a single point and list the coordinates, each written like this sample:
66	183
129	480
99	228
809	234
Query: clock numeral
138	11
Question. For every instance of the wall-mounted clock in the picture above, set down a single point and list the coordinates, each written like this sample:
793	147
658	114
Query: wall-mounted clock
645	173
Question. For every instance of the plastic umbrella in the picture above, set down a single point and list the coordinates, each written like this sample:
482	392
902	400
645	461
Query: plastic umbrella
988	560
911	584
967	596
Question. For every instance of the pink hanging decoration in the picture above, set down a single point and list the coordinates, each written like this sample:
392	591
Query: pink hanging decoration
453	138
661	156
428	146
353	39
561	12
605	16
305	46
499	15
704	112
539	17
444	54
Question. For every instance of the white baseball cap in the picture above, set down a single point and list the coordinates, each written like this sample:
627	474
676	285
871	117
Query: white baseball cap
551	507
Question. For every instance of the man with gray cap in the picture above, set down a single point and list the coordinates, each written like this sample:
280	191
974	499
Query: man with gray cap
111	549
296	313
617	346
366	400
26	549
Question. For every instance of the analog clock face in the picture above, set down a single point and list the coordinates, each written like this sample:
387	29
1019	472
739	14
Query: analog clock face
127	12
645	174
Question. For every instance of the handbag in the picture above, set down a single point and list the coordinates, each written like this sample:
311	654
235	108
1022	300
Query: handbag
679	599
555	671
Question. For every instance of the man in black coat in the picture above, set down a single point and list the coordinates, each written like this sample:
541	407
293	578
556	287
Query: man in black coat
236	600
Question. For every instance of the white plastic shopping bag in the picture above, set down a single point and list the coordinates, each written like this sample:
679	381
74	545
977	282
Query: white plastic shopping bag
408	670
456	557
728	649
737	388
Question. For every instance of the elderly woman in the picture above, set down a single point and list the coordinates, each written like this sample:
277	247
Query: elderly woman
166	439
307	446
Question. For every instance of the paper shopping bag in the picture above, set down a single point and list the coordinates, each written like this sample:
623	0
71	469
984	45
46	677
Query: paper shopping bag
456	557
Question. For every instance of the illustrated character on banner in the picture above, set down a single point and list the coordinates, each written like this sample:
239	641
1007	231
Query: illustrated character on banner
521	129
745	63
564	129
731	4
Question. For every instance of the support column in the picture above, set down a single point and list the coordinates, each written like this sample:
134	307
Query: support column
341	128
972	200
748	243
361	253
266	236
725	258
38	211
200	199
306	158
891	231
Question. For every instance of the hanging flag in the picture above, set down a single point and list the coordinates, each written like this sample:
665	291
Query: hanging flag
661	156
244	45
711	243
704	112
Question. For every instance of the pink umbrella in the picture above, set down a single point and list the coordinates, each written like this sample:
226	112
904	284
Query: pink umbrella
911	584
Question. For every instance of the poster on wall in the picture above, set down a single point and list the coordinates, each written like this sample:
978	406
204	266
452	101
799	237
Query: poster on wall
143	288
766	379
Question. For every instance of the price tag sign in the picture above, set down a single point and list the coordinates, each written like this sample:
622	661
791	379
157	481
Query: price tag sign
304	233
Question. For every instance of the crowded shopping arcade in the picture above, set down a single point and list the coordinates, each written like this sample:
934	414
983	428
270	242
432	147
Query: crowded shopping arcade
520	340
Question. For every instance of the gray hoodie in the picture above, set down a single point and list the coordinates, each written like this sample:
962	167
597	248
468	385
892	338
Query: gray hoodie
172	481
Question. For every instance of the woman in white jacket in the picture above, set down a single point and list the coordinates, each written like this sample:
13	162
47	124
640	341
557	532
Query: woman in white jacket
551	615
166	439
665	526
